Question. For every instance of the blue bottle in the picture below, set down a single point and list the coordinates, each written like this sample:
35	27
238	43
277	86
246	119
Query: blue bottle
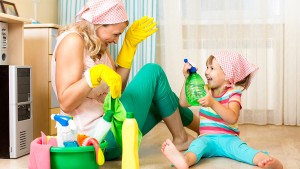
194	86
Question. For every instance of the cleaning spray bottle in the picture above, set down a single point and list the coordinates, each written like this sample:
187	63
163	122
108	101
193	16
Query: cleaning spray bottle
66	131
103	126
194	86
130	156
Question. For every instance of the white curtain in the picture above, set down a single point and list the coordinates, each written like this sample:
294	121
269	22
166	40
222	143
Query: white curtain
194	28
68	9
292	63
146	51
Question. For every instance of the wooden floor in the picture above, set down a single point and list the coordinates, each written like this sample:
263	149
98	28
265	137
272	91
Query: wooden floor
282	142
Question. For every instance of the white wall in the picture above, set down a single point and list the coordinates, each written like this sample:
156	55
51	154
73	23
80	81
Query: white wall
46	10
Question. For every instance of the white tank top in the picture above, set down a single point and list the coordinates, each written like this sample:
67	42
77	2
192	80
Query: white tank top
89	112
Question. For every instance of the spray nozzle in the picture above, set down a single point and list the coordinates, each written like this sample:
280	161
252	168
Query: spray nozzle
193	69
64	121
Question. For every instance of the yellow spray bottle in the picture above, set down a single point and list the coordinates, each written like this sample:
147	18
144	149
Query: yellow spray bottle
130	156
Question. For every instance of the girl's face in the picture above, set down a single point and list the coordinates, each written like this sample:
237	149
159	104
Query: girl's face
215	76
110	34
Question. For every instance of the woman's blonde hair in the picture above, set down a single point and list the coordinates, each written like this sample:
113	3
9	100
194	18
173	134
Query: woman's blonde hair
243	83
87	31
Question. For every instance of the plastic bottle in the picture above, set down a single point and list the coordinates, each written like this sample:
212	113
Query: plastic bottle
103	126
66	133
194	86
130	156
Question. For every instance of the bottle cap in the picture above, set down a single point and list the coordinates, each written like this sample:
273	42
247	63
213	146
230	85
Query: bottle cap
130	115
108	116
193	70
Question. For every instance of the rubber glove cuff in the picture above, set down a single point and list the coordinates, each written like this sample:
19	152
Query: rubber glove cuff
88	79
126	55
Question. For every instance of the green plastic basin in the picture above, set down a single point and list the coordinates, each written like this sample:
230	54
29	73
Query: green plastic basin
74	157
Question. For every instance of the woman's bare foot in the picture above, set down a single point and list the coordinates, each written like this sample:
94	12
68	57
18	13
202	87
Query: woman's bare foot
270	163
181	138
183	144
173	155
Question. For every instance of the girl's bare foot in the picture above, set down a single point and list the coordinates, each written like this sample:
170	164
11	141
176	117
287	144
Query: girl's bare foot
270	163
183	144
173	155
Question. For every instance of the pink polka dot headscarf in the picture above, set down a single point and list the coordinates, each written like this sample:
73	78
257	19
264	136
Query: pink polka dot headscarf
235	66
104	12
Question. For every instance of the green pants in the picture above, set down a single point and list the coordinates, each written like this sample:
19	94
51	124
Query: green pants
150	98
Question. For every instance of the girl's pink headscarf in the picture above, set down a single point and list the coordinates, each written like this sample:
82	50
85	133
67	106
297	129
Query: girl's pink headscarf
235	66
104	12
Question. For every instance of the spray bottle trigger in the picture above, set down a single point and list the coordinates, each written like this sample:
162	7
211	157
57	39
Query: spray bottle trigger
193	69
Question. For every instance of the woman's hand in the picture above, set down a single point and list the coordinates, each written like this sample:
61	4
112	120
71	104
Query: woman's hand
138	31
102	72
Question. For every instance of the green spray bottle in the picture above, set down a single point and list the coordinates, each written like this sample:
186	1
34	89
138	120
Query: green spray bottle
194	86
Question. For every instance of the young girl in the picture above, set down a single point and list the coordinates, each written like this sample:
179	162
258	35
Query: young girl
227	75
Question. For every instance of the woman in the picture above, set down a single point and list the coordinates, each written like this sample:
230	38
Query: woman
83	72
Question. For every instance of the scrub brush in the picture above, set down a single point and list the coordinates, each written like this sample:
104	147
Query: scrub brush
84	140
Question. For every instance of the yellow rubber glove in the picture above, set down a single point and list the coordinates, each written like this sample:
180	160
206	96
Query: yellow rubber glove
100	72
138	31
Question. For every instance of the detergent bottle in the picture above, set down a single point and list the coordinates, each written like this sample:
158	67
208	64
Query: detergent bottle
130	156
103	126
66	132
194	86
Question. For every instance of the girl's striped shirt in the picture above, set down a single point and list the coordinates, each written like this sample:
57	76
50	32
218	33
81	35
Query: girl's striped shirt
211	122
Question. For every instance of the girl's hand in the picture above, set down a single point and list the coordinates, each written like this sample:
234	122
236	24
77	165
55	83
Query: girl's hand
208	100
185	69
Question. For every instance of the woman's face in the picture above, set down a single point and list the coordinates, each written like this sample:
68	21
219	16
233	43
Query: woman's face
110	34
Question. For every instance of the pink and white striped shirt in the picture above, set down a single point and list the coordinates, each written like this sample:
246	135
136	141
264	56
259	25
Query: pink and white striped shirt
211	122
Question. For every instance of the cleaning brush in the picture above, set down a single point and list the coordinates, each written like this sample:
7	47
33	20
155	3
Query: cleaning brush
84	140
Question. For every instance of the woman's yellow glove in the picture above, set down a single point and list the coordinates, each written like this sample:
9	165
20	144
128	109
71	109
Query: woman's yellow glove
138	31
95	74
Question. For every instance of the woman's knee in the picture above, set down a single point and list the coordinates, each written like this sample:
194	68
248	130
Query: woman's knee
152	67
